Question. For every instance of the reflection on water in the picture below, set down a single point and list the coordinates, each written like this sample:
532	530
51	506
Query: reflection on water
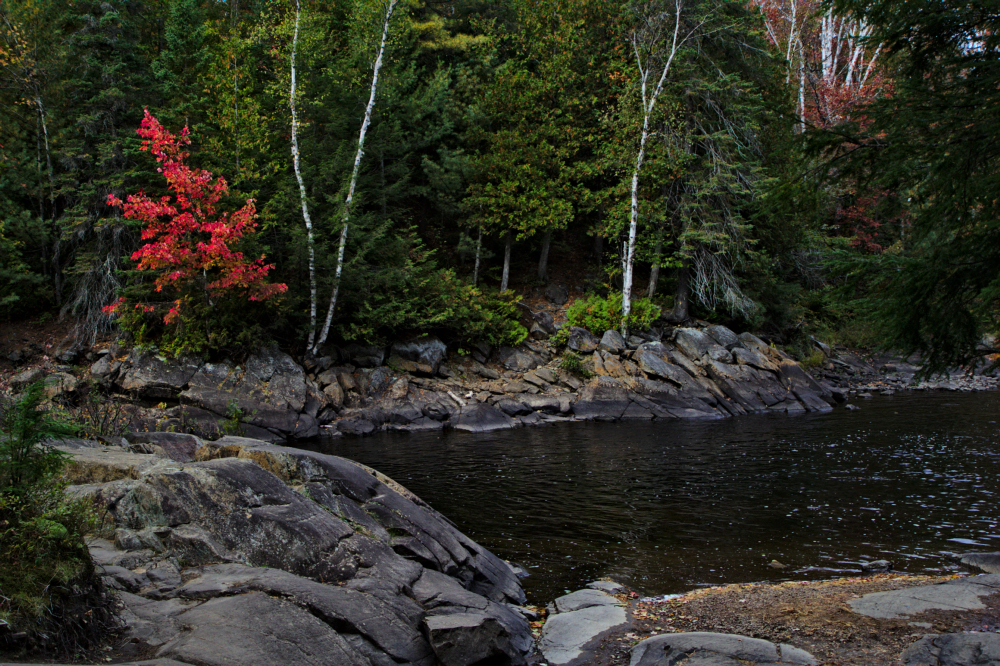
668	506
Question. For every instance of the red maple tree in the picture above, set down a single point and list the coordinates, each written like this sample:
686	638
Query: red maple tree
191	239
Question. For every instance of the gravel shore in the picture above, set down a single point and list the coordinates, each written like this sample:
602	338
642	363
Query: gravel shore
813	616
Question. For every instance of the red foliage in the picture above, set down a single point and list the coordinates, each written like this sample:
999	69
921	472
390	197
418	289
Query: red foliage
863	221
191	239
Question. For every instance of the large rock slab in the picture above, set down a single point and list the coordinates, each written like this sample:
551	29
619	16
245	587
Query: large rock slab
390	622
966	649
152	375
960	594
580	599
426	349
711	649
482	417
518	360
988	562
810	393
256	629
327	559
581	340
604	402
696	344
566	635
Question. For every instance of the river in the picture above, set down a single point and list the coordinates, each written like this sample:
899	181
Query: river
669	506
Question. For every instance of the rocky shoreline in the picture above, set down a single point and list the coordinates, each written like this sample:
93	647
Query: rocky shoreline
706	373
699	372
238	552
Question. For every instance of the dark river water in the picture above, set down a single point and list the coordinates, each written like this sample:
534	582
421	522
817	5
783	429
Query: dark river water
666	507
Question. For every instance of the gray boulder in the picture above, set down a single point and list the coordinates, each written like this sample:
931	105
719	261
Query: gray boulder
988	562
711	649
545	321
542	403
954	595
351	568
482	417
518	360
724	337
581	618
581	340
426	349
604	402
810	393
257	629
612	341
557	294
365	356
177	446
751	341
152	375
965	649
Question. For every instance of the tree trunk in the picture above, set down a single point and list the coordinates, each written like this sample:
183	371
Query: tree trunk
543	260
354	177
506	262
682	297
599	248
648	103
310	243
479	253
56	231
654	272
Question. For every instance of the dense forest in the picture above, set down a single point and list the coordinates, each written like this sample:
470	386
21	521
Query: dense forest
208	174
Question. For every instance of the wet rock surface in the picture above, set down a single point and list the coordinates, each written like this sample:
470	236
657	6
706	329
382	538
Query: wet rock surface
260	554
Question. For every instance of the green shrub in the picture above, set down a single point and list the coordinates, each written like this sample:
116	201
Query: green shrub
51	598
227	327
597	314
437	302
571	363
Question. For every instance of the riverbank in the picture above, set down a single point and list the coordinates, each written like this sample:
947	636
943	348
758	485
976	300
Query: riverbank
813	616
239	552
417	385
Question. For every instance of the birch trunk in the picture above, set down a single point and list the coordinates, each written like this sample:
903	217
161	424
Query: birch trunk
648	104
354	178
802	89
310	242
506	262
56	231
543	260
479	254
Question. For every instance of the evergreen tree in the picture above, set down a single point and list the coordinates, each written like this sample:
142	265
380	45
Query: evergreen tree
934	142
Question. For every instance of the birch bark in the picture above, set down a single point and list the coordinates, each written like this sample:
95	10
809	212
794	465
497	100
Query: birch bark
310	242
479	254
506	262
648	104
56	231
338	271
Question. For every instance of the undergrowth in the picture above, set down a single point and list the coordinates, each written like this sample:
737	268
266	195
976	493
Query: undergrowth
51	598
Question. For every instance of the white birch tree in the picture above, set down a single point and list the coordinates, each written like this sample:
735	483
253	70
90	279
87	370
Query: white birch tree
310	242
390	6
655	43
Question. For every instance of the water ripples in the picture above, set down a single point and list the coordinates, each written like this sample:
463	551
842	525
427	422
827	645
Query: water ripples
669	506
